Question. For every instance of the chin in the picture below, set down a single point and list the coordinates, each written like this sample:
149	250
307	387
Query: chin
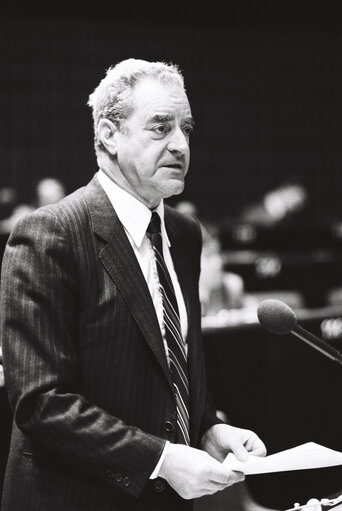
174	190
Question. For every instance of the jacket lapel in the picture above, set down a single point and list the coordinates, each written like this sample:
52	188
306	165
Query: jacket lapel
119	259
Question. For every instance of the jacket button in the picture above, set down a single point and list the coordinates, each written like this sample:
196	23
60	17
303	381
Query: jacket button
168	426
110	473
118	477
126	481
159	486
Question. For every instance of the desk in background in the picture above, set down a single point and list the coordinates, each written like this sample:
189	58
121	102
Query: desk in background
284	390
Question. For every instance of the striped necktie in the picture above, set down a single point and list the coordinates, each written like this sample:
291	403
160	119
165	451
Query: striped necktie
173	334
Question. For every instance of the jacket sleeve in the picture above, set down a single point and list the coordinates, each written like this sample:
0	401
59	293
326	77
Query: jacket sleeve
39	286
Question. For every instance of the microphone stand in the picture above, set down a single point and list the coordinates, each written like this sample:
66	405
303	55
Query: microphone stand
322	346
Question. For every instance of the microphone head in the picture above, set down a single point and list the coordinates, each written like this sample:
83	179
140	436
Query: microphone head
276	316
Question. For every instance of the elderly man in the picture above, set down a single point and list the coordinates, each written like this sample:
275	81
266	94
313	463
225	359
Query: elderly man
101	324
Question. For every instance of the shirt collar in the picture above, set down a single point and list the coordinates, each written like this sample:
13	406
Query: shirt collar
132	213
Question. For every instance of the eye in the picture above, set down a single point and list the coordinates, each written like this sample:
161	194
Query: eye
187	130
161	129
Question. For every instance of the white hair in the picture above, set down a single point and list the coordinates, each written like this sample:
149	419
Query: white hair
112	98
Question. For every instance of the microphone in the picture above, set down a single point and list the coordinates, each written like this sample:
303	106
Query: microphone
278	318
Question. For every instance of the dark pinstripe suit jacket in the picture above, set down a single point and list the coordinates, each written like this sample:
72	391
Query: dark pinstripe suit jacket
84	362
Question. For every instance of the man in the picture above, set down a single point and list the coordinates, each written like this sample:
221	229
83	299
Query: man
101	328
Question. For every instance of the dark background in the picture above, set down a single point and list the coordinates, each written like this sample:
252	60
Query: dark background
263	78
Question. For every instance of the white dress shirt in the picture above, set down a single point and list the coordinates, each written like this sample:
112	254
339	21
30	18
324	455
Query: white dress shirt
135	218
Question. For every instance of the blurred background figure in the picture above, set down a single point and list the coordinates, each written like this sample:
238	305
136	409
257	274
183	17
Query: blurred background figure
10	209
8	199
19	211
48	191
219	289
278	205
187	207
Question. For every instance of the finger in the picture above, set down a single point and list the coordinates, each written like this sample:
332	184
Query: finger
219	476
239	450
226	477
214	488
237	477
256	446
259	451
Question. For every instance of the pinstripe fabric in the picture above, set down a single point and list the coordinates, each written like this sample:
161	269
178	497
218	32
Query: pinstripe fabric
84	361
173	335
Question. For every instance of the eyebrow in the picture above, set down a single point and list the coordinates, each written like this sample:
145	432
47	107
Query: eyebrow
167	118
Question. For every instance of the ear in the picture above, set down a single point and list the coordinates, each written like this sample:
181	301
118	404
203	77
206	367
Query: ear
106	131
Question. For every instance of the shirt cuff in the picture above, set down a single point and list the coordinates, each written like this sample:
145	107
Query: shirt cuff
155	472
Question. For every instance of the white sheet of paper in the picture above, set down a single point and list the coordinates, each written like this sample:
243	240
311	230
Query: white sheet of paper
302	457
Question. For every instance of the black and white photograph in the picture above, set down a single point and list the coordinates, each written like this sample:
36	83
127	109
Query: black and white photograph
171	255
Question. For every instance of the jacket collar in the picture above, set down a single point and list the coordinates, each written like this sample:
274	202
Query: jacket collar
118	258
132	213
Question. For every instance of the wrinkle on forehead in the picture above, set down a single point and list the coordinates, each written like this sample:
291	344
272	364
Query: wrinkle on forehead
152	98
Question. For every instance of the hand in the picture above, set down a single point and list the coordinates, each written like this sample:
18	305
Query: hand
221	439
193	473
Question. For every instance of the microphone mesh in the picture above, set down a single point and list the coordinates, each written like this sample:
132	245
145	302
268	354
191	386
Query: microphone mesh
276	316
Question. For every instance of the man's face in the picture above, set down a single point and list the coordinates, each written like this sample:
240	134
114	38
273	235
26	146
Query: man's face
153	143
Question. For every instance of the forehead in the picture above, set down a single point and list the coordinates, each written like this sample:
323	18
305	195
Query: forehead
153	98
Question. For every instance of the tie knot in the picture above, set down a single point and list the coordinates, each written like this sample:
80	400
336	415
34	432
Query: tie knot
154	225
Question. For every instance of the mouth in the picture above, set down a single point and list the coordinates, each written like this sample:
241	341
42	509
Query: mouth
178	166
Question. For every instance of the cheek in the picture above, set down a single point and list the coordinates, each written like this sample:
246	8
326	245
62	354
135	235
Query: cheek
141	156
148	159
129	156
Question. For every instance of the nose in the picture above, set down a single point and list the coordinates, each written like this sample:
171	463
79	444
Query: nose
178	142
